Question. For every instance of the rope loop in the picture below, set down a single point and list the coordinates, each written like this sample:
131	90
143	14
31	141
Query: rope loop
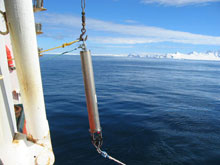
62	46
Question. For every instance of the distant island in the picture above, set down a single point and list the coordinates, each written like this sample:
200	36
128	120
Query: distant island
209	55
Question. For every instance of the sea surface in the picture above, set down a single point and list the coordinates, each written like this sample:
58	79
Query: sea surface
152	111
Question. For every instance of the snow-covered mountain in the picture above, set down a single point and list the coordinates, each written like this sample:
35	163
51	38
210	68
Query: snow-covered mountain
209	55
195	56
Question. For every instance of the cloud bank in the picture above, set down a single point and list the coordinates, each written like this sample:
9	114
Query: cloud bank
127	34
178	2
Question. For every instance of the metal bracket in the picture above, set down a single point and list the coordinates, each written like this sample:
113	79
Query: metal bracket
6	23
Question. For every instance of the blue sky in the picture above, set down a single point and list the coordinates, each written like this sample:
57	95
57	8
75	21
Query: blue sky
133	26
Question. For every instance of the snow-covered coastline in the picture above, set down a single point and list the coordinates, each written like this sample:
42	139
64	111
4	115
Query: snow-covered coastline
211	56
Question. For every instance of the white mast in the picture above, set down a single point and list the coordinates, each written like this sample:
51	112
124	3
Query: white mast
23	37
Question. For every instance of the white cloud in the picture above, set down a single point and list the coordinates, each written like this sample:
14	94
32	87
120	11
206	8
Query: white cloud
58	20
130	21
123	40
134	33
179	2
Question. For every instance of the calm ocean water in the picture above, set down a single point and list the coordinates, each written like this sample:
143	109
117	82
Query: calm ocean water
152	111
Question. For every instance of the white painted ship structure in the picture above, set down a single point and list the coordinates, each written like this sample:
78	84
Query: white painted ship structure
21	85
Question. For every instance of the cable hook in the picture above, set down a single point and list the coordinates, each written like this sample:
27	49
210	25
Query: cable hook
83	30
6	23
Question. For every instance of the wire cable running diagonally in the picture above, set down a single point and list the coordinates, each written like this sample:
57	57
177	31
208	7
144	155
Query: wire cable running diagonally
62	46
105	155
